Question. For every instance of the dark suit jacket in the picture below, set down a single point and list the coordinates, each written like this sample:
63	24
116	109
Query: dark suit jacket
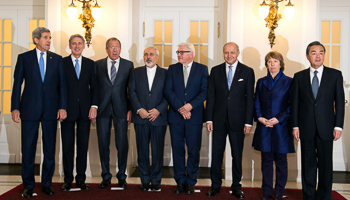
115	94
237	103
39	99
323	113
82	93
195	93
274	102
141	97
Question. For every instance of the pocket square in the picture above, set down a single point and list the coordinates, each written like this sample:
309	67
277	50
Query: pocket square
240	79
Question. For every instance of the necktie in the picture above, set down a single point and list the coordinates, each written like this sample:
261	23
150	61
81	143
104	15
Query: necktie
315	84
42	67
113	72
77	67
229	77
186	74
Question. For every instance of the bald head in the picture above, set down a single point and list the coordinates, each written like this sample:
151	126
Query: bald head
231	52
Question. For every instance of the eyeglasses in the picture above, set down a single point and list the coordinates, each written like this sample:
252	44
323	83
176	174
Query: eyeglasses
182	52
116	48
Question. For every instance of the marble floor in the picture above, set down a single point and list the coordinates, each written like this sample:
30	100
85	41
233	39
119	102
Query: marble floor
9	182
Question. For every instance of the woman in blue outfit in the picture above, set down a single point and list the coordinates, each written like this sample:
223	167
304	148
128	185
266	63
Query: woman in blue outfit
273	135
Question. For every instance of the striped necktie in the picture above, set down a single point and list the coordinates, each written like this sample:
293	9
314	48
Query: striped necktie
113	72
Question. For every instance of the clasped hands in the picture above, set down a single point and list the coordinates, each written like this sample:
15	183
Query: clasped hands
268	122
151	115
185	111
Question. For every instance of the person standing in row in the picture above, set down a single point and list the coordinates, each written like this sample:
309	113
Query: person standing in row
186	91
82	107
112	77
149	108
230	106
44	100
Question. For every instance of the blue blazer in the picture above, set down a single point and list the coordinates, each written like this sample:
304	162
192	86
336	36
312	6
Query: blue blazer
141	97
39	99
195	93
269	103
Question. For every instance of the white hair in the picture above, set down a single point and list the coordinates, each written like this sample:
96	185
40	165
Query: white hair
189	46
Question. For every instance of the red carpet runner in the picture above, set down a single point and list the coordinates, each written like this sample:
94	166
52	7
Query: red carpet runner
134	192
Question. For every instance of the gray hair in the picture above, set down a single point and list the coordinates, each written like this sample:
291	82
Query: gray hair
223	49
38	31
74	36
189	46
113	39
157	52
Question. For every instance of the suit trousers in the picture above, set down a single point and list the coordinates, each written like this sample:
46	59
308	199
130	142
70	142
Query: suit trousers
317	153
281	163
191	135
68	142
219	143
29	139
144	134
104	125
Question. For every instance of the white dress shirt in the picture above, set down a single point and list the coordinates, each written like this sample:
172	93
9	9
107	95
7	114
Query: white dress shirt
79	61
234	66
188	68
151	72
44	57
109	66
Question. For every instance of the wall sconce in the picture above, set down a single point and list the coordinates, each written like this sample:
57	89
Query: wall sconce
269	12
88	16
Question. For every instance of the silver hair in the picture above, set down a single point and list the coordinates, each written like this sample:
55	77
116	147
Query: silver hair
38	31
157	52
189	46
74	36
223	49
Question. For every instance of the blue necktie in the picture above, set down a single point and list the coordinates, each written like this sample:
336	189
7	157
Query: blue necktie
77	68
42	67
229	77
315	84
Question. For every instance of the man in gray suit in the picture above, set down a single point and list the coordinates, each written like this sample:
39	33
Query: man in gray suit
149	109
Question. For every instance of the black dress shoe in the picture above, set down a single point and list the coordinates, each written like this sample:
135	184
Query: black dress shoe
48	190
266	197
105	183
189	189
277	197
212	192
122	183
179	189
238	194
144	186
28	193
155	187
66	186
82	185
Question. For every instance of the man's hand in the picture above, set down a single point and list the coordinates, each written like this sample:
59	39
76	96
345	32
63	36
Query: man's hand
273	121
186	115
185	108
128	116
336	134
210	127
296	133
247	129
93	115
143	113
15	116
263	120
61	115
153	114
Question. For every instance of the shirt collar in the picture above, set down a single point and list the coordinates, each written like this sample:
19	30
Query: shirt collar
320	70
74	58
38	52
109	60
189	64
151	69
234	64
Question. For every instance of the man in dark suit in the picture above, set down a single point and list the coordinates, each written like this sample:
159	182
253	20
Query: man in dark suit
82	107
44	99
112	77
230	105
317	118
149	109
186	90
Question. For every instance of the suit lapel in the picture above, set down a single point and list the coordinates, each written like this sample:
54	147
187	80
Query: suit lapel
144	77
324	81
266	82
34	59
71	69
237	74
48	64
223	74
307	82
105	69
120	69
156	77
180	74
193	71
83	69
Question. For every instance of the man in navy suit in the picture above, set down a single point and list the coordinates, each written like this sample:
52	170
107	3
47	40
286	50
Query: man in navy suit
44	99
186	91
82	107
149	107
230	106
317	119
112	77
